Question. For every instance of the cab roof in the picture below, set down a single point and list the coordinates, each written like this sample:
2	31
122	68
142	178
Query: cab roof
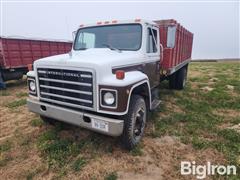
113	22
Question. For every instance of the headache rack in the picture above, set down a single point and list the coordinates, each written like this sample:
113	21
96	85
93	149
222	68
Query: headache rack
73	88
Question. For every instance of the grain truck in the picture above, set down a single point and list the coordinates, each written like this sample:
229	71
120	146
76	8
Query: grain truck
17	52
110	80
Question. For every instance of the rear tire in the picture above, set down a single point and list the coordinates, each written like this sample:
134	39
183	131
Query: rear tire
134	122
172	81
178	79
181	78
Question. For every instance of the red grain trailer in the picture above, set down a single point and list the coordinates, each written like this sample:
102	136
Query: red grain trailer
176	44
17	53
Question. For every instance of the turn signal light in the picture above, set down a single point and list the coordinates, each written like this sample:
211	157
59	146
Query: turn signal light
120	74
137	20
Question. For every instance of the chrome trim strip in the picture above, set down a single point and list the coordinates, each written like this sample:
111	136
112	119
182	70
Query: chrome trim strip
67	82
41	71
66	97
86	76
65	89
66	104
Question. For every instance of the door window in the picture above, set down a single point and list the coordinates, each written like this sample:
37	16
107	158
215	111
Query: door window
151	41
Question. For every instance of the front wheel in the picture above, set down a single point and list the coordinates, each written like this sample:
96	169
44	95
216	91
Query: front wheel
134	122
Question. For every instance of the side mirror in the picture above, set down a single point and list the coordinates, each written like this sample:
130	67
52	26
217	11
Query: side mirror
74	34
171	36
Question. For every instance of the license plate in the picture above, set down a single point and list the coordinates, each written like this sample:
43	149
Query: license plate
101	125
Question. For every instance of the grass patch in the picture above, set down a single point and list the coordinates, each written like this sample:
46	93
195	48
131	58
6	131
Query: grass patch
17	103
58	152
36	122
30	174
198	123
24	141
199	143
111	176
236	120
137	150
4	93
21	94
6	146
78	164
4	159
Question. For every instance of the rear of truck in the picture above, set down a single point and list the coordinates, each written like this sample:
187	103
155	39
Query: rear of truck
176	44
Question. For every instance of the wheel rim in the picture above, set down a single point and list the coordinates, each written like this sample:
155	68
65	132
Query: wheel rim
139	123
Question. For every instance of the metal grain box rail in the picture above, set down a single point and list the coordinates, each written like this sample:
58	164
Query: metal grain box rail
177	45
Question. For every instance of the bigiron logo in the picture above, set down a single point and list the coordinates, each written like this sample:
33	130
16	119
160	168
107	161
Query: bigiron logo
201	171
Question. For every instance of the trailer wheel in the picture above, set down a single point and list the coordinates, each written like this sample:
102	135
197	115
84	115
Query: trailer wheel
134	122
181	78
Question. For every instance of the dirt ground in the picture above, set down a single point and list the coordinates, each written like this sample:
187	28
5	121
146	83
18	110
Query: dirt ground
159	157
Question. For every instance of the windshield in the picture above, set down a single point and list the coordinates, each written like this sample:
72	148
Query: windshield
121	37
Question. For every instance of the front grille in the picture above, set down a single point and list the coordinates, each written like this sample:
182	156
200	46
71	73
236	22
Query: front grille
66	87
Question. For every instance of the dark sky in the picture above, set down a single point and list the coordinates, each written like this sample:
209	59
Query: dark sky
215	24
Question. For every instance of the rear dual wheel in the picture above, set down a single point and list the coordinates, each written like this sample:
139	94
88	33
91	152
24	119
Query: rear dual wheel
178	79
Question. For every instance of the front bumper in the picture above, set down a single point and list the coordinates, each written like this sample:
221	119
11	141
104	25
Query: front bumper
115	126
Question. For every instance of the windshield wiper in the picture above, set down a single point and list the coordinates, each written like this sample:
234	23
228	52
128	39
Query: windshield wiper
111	47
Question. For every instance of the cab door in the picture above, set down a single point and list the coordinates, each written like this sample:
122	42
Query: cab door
152	63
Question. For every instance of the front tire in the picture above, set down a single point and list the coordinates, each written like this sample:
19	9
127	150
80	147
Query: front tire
134	122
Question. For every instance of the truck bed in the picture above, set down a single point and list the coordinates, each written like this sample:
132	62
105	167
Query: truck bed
180	54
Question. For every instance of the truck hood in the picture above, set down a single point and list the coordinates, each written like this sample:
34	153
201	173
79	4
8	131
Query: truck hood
92	58
99	60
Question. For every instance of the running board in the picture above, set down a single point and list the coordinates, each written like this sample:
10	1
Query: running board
155	103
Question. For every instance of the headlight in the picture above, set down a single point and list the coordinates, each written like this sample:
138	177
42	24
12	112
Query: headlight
32	86
109	98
